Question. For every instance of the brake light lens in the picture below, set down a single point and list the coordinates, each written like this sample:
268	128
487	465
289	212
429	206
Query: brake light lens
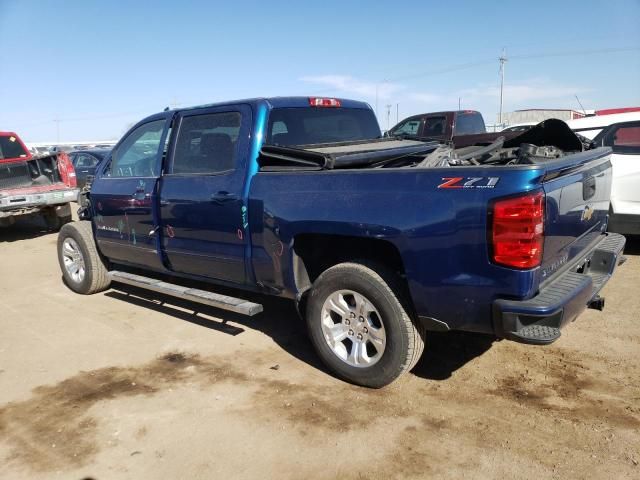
67	170
517	231
324	102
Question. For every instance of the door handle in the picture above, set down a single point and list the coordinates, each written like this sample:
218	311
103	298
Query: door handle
140	195
223	197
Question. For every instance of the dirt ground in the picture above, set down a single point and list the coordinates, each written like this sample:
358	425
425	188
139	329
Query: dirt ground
123	385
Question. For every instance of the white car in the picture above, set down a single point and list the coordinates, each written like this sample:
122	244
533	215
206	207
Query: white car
621	132
593	125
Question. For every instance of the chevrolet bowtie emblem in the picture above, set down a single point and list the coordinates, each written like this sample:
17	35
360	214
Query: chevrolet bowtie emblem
587	213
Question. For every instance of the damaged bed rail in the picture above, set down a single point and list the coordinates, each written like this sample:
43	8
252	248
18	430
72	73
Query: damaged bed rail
340	155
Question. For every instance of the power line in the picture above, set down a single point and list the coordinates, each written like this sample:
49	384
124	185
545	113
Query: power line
464	66
575	53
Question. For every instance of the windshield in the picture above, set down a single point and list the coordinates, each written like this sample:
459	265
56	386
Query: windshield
307	126
10	147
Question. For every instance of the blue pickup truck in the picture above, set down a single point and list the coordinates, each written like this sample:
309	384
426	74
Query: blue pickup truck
377	240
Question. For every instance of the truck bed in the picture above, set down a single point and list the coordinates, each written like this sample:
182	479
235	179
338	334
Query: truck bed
437	214
547	141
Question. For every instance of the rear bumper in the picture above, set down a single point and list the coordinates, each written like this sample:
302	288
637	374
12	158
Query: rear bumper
539	319
22	203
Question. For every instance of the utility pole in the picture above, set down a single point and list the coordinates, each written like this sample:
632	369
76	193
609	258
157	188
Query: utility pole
388	114
503	60
397	110
459	102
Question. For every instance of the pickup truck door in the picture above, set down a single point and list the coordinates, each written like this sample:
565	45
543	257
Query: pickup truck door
202	214
124	193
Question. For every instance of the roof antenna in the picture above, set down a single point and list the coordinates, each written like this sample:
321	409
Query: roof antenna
166	109
583	110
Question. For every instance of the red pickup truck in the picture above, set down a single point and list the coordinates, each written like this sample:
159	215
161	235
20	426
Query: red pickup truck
41	185
461	128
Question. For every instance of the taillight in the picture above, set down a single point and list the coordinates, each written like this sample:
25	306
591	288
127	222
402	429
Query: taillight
324	102
517	231
67	171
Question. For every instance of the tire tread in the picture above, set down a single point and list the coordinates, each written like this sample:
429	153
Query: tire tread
95	265
387	280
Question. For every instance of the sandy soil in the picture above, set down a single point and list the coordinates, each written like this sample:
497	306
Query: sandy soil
125	385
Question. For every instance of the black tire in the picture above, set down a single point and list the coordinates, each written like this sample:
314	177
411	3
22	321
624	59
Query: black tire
54	222
95	278
382	288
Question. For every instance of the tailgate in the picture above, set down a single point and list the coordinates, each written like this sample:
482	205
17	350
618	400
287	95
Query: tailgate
39	196
578	188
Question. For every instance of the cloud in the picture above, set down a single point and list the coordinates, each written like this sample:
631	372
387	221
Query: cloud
349	84
535	90
425	97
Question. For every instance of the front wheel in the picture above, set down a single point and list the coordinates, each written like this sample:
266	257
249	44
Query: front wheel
359	325
83	268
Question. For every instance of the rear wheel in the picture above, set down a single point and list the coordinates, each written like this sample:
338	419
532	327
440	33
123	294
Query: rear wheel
57	218
83	268
359	325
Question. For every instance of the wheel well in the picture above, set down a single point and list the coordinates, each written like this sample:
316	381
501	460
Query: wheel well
317	252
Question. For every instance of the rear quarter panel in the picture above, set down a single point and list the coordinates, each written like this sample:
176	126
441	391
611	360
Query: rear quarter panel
441	234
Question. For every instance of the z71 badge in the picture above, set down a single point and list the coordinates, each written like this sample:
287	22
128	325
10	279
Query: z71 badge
469	182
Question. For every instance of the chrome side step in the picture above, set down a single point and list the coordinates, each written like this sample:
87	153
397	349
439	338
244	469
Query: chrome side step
224	302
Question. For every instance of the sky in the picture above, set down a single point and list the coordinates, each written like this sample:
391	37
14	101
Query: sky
87	70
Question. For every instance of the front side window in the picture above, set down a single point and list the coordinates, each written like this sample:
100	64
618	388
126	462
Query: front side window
410	127
206	144
137	155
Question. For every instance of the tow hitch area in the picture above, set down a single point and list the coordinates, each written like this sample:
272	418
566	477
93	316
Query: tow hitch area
597	303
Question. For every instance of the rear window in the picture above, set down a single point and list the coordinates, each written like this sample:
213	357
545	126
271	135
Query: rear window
469	123
305	126
10	147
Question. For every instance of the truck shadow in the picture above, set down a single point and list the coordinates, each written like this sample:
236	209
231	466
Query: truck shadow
24	229
444	352
632	246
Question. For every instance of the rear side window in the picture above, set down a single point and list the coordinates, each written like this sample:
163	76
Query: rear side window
307	126
207	143
469	123
86	161
625	138
10	147
434	126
